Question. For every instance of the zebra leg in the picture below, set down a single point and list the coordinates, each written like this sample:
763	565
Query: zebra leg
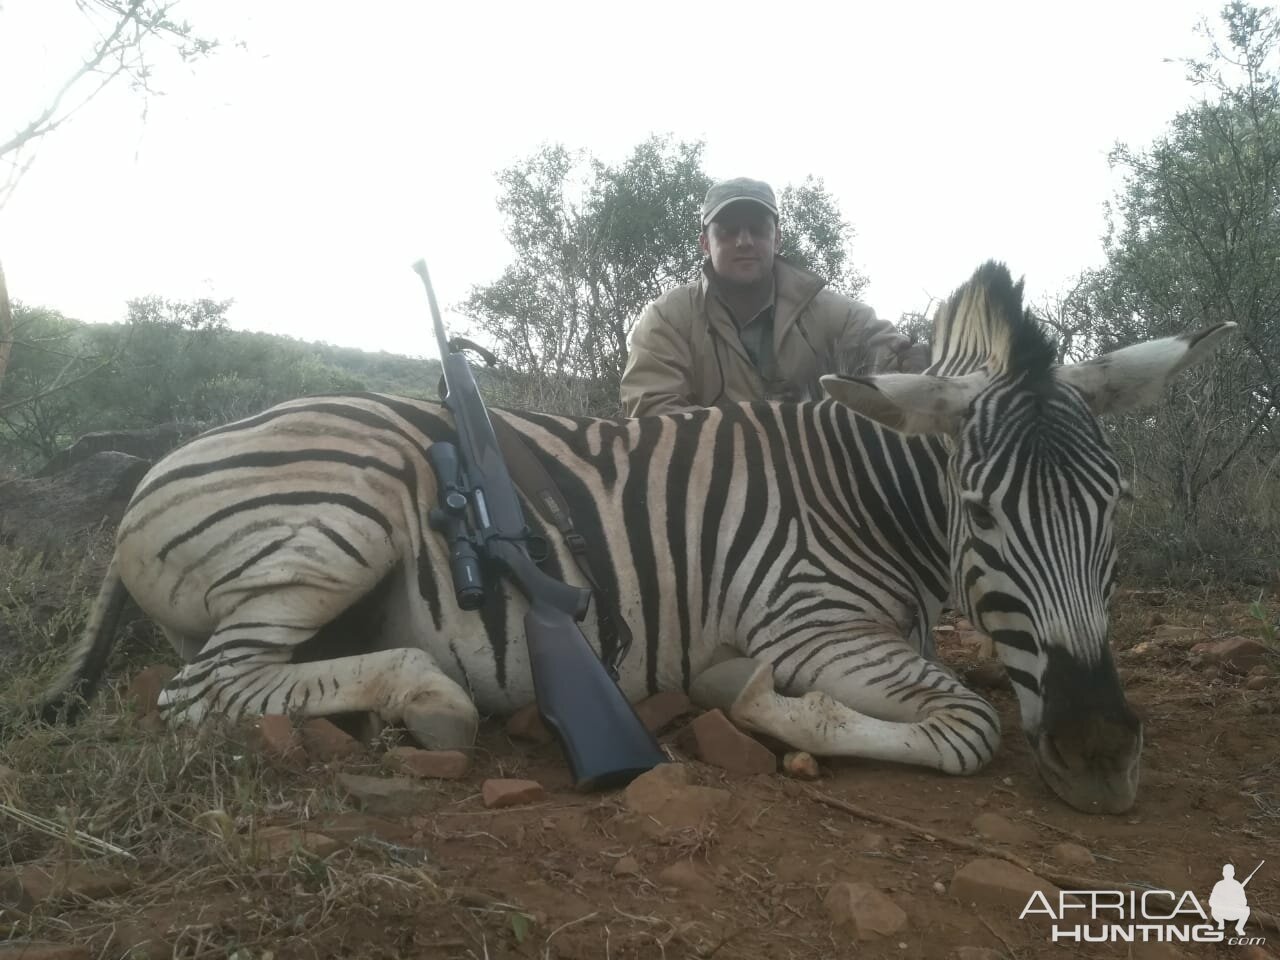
874	698
252	677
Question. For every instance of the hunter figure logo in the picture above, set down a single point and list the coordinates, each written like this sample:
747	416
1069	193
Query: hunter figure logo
1140	916
1228	900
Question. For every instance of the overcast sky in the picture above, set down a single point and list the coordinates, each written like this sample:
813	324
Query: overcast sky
302	173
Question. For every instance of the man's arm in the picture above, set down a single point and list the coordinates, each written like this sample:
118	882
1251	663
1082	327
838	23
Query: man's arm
868	344
657	378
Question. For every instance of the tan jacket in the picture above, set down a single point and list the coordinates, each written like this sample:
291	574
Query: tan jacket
686	351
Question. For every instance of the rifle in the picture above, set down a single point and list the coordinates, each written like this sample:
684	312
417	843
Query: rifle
480	517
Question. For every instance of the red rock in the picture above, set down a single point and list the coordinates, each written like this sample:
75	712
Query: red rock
31	883
325	741
144	690
279	843
275	736
998	883
1073	855
511	793
1259	682
1238	654
995	827
627	866
720	743
659	710
526	724
800	765
665	795
686	876
864	910
428	764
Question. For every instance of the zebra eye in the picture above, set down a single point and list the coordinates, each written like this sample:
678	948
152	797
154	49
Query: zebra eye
980	516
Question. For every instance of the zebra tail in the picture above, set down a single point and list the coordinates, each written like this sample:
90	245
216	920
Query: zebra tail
67	698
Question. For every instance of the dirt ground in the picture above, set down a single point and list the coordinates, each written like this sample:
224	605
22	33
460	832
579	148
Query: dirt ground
452	879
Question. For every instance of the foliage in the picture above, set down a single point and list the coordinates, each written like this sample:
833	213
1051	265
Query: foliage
594	243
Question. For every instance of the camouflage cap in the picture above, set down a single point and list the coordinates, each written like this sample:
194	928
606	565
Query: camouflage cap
731	191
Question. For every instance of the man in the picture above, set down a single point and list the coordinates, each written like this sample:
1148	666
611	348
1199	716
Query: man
754	326
1228	901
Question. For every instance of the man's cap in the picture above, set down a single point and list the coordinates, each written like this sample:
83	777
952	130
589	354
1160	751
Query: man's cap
731	191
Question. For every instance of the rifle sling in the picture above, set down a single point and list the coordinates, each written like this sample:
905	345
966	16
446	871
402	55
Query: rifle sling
532	477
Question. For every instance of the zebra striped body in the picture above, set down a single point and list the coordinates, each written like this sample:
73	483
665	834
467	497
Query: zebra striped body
288	558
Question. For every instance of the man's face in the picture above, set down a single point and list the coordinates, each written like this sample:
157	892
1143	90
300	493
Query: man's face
741	242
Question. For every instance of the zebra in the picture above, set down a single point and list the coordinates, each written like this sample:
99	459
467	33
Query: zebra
784	561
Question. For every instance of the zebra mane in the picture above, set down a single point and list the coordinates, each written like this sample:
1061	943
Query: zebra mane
984	324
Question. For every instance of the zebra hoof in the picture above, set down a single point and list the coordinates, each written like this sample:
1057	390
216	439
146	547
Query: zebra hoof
726	683
437	729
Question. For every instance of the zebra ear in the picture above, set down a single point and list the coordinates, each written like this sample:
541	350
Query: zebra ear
908	402
1136	376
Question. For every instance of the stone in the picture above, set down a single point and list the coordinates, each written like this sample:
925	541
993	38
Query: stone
864	910
276	737
526	724
386	796
627	866
428	764
1176	632
1073	855
18	950
325	741
801	765
686	876
722	744
1259	682
144	690
497	793
1236	654
995	827
659	710
998	883
32	883
280	843
665	796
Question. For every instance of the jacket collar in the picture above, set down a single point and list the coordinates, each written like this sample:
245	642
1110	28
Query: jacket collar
793	289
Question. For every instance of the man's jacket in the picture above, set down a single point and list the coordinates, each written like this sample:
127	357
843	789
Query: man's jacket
686	351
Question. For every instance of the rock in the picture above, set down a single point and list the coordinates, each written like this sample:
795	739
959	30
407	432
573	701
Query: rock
627	866
428	764
53	513
665	795
324	741
146	443
1237	654
995	827
31	883
1261	670
722	744
801	765
385	796
1260	682
686	876
511	793
873	842
526	724
19	950
987	675
1145	648
659	710
1073	855
280	843
976	953
998	883
145	688
864	910
275	736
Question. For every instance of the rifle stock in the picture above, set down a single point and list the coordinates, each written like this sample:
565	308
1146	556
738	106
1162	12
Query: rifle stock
602	738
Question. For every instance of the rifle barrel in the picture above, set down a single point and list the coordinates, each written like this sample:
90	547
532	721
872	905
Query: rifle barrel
420	267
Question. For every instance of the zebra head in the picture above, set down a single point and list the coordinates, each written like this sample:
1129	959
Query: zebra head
1032	487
